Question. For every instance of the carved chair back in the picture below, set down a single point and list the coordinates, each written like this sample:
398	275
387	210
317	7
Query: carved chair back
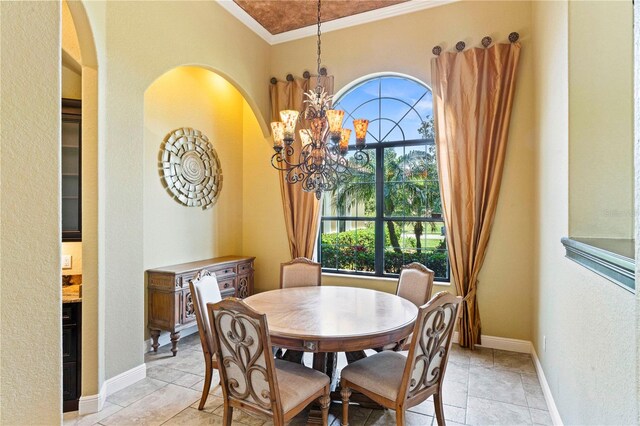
429	350
246	364
204	289
415	283
300	272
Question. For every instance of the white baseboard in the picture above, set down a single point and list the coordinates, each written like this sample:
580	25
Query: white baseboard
501	343
505	344
125	379
546	390
526	347
94	403
165	338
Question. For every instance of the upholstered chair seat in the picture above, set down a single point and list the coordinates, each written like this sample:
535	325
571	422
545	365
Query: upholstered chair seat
398	382
297	383
380	373
204	289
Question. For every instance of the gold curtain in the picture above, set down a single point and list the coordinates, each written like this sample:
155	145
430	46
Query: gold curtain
472	98
301	209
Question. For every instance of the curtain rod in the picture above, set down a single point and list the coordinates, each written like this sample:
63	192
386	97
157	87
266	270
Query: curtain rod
486	42
306	74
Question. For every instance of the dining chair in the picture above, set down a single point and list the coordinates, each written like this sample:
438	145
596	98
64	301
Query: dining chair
204	289
399	382
300	272
251	378
415	284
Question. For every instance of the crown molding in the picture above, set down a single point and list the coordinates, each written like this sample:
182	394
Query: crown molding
336	24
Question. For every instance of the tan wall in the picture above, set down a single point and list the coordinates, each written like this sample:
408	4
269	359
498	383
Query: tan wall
403	44
263	230
69	34
74	250
174	233
590	356
71	83
601	119
30	214
143	41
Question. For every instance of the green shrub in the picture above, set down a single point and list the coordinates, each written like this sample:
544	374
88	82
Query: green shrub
355	251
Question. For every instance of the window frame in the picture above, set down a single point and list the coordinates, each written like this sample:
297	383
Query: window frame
380	219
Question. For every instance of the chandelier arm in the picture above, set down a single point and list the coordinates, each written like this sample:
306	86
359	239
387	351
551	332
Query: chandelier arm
278	158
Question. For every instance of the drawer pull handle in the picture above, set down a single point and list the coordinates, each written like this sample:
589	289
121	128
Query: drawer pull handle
226	285
66	317
226	271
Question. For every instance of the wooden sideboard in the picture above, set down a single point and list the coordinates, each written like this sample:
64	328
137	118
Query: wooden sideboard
170	304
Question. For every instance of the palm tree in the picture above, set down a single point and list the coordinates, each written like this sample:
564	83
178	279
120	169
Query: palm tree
409	195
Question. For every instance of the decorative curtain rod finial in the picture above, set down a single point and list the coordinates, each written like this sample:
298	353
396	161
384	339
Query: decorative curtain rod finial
273	80
460	46
437	50
306	75
513	37
289	77
323	71
486	41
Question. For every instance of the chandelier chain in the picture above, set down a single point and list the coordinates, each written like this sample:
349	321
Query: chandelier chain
319	42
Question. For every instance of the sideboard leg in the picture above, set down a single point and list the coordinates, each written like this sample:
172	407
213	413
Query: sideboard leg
155	334
174	342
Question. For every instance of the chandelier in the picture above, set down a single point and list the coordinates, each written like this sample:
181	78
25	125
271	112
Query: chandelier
321	163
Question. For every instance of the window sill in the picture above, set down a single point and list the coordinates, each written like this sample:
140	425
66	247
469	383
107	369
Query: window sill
393	281
606	257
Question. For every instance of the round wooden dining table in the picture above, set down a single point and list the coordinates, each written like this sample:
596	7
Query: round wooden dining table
334	319
326	320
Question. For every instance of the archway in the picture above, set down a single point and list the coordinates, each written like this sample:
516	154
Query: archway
80	57
200	98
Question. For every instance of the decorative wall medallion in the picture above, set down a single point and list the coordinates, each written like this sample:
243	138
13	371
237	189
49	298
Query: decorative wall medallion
191	168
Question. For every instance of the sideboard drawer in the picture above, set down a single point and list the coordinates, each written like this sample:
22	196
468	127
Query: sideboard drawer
244	268
225	271
226	284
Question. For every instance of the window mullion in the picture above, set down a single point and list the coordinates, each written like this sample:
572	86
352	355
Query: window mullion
379	240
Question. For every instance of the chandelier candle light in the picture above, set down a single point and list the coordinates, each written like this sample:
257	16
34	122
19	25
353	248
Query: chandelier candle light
321	163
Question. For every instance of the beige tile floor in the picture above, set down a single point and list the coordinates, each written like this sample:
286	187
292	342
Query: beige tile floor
484	387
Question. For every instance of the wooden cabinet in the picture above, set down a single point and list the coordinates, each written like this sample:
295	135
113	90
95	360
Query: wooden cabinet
71	355
71	170
170	304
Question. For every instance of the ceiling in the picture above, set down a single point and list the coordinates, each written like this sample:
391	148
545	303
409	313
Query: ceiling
280	16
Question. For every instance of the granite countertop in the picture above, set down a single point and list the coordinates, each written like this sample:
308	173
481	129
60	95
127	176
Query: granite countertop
71	298
72	293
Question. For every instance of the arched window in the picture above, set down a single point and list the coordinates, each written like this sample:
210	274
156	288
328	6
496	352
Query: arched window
387	214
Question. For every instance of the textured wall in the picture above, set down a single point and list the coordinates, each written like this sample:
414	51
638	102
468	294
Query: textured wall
30	214
601	119
143	41
590	356
403	44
